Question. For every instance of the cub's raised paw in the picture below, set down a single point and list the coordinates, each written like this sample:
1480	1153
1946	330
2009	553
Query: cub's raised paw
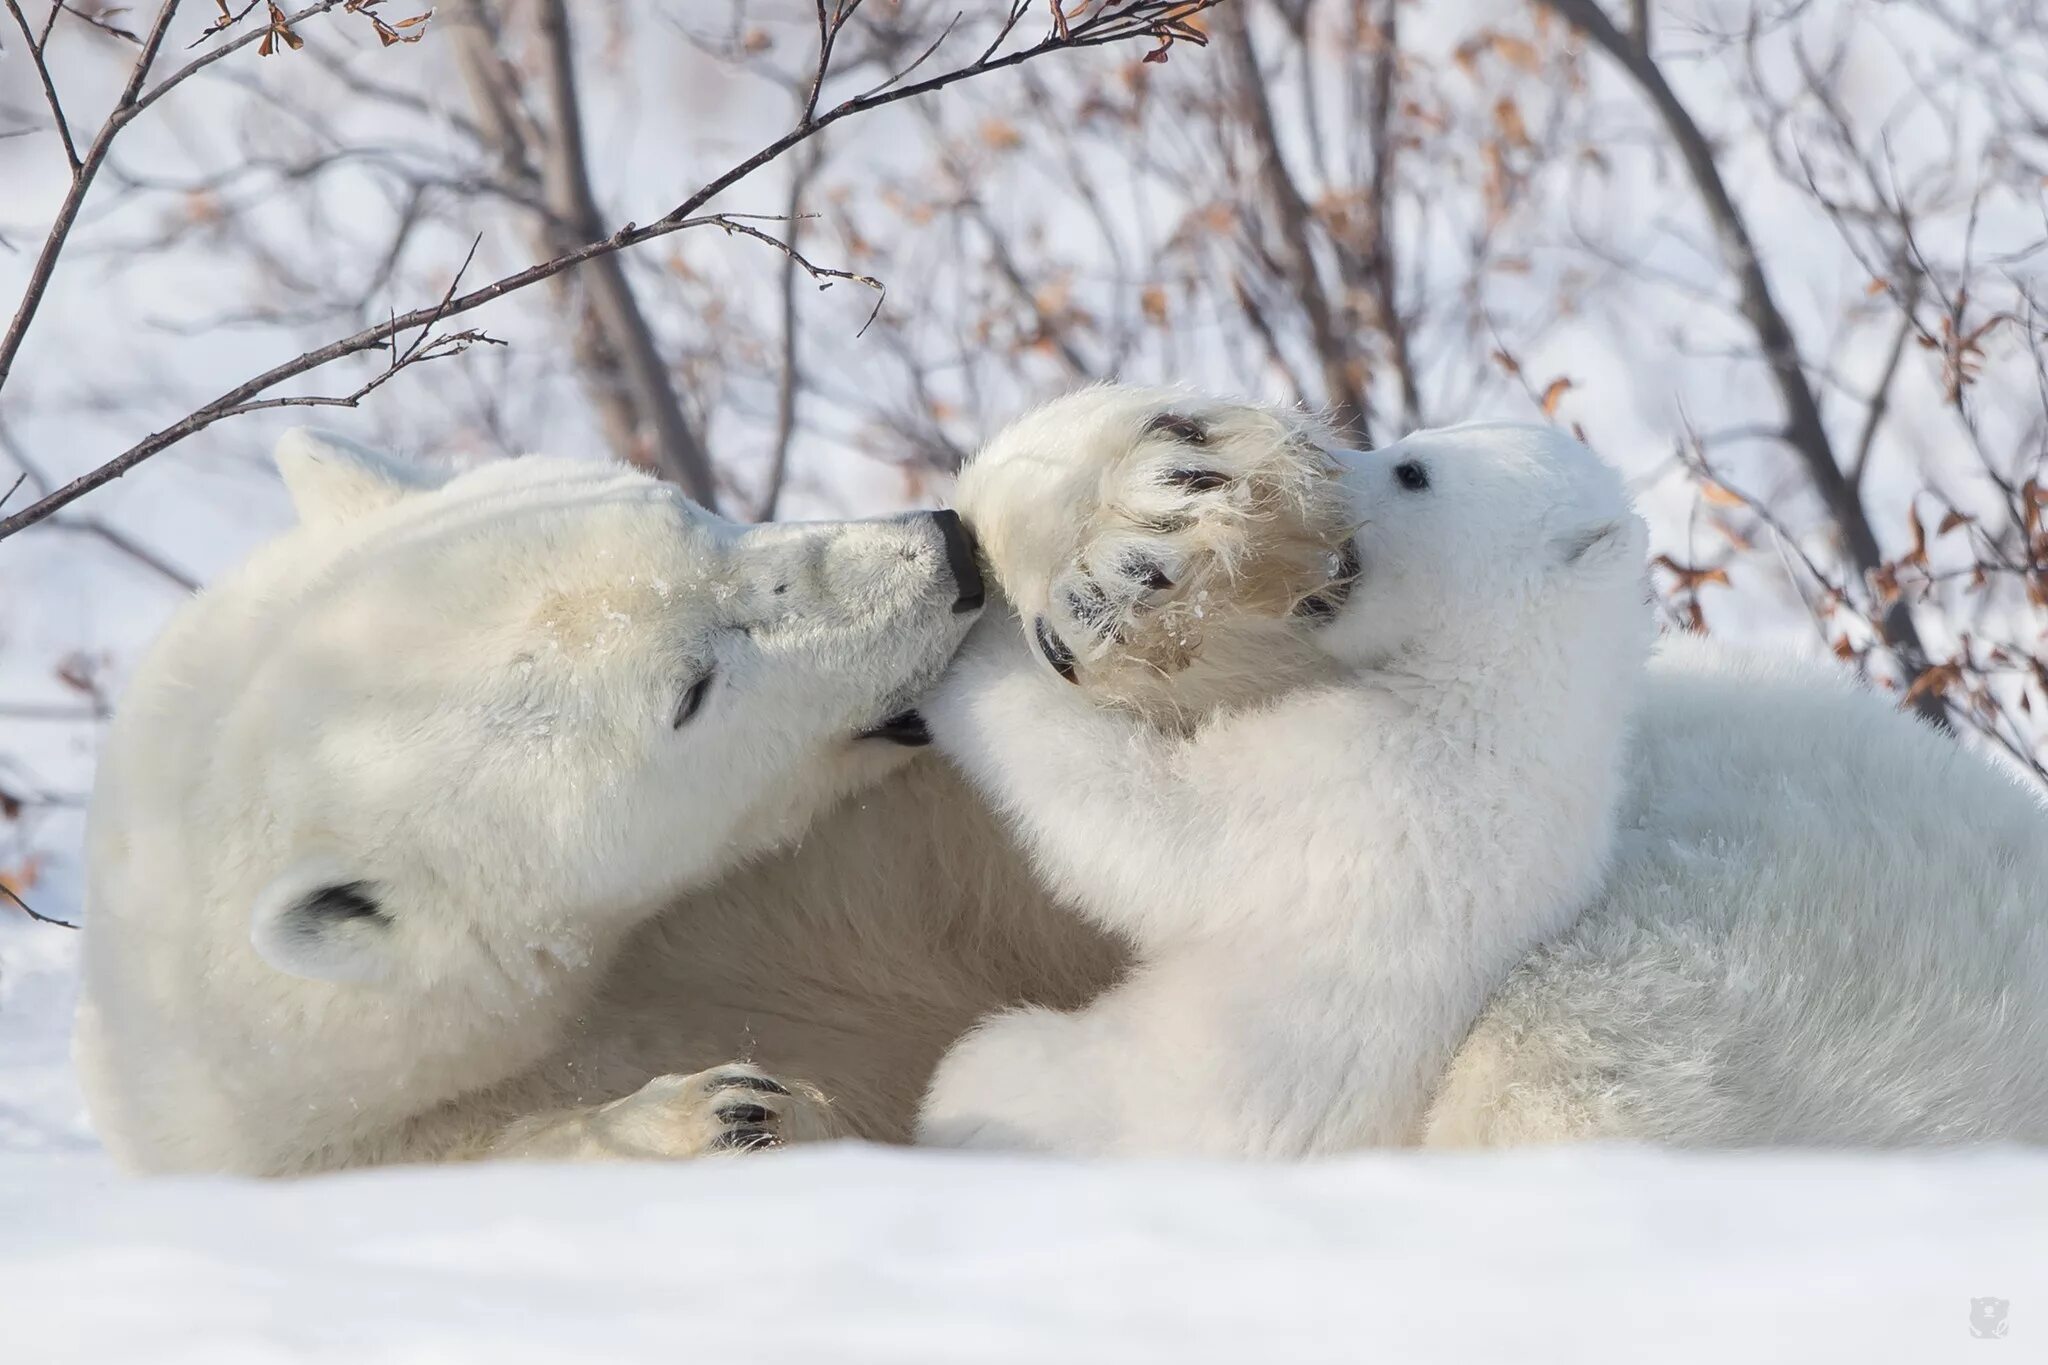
1175	534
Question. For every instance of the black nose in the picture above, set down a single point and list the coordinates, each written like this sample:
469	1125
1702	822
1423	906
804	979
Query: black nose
962	560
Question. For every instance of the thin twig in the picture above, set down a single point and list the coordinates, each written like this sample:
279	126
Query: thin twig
789	380
117	540
83	171
1102	29
1881	398
922	57
36	59
30	910
731	222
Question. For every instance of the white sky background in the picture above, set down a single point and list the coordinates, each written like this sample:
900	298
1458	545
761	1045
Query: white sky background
136	333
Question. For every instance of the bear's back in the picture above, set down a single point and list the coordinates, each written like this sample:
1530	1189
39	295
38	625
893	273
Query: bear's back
1825	923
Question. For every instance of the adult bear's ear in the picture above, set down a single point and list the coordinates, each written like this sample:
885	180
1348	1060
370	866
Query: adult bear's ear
321	921
332	479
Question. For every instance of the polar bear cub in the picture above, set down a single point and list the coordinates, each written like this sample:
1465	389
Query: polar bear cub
1324	888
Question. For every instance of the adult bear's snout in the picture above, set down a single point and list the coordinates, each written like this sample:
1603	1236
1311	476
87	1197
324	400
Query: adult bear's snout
963	560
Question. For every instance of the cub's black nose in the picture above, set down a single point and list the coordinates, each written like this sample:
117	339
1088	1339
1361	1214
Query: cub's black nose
962	560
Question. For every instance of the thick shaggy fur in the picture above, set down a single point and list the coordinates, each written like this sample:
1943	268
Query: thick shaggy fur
1324	889
1823	923
391	816
1826	924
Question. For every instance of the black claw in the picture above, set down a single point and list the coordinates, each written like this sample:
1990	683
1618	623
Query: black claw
1318	607
744	1113
1180	428
1197	480
743	1081
1055	650
746	1139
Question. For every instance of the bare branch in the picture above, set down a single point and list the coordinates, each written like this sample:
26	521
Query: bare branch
788	381
1291	215
1881	396
1805	432
678	449
1136	19
117	540
83	171
1379	261
35	56
30	910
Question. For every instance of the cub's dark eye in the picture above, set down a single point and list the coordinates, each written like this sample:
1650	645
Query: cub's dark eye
1180	428
1056	653
693	701
1414	476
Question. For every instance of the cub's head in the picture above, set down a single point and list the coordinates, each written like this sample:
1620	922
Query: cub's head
1472	539
495	714
1173	552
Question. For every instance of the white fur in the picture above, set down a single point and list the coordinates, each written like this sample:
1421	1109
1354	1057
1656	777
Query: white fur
1822	923
1323	890
451	709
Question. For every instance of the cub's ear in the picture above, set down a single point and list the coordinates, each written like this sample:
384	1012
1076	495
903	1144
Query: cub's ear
1617	541
333	479
322	922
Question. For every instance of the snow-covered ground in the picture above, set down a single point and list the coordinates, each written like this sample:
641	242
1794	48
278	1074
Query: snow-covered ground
861	1254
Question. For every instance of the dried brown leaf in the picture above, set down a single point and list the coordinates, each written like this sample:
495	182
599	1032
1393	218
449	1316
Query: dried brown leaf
1554	393
1936	679
1516	52
1918	554
1691	579
1153	300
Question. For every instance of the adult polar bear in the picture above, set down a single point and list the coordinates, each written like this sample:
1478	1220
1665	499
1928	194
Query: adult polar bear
421	837
390	852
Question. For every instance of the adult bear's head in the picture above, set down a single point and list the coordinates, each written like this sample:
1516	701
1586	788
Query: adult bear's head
504	714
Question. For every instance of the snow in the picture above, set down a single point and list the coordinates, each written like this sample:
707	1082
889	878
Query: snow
855	1254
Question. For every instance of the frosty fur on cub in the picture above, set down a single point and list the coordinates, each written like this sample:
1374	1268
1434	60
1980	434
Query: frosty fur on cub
1323	888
